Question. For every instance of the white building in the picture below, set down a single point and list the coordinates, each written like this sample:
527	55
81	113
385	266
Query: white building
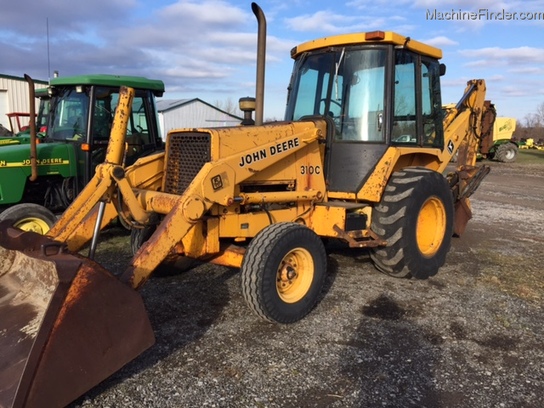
192	113
14	96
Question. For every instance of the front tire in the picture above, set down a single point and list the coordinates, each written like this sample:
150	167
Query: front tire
415	217
30	217
172	266
283	272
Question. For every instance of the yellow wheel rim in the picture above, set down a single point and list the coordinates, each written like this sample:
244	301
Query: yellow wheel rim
431	226
33	224
295	275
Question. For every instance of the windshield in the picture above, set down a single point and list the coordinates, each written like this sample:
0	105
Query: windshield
69	114
71	106
346	85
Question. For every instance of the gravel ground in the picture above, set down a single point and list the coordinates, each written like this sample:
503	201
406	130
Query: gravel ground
469	337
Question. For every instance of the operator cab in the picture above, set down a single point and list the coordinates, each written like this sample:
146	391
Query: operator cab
380	90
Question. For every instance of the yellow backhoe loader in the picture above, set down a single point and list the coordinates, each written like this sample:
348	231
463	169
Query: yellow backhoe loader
360	157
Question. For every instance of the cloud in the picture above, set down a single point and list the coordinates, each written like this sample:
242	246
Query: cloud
212	14
534	70
29	17
516	57
209	45
441	41
325	21
514	91
462	4
184	41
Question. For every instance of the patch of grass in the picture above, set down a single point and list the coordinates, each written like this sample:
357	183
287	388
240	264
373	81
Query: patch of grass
512	274
530	156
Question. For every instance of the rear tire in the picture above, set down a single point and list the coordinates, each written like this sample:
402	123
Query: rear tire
30	217
283	272
506	153
415	217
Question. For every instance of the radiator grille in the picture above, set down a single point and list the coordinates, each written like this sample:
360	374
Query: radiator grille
187	154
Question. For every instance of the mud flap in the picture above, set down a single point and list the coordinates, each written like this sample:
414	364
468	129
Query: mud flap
66	323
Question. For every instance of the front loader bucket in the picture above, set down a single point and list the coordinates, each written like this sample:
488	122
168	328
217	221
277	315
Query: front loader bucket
66	323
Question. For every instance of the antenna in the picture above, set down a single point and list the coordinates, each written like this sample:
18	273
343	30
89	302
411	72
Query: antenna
48	58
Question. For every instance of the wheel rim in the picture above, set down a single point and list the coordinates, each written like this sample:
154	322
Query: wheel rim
295	275
509	154
431	226
33	224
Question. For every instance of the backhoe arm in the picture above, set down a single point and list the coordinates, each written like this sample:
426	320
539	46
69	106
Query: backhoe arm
463	124
462	134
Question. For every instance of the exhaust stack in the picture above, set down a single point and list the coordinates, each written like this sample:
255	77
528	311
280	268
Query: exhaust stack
32	123
261	59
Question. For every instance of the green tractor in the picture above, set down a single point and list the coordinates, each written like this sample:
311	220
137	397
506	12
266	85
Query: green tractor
74	122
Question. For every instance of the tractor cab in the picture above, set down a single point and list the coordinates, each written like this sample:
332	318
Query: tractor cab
82	111
380	89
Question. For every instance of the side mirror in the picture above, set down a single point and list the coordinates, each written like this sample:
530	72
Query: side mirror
442	69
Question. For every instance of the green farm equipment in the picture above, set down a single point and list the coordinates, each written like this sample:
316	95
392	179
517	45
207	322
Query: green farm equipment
496	143
73	129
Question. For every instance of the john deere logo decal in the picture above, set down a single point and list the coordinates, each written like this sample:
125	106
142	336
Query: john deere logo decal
450	147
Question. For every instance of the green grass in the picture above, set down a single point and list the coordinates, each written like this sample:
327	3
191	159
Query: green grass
530	156
519	275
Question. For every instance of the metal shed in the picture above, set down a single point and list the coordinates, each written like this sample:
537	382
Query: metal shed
192	113
14	96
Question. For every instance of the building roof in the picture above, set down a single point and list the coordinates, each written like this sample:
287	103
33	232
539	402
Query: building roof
165	105
36	81
168	104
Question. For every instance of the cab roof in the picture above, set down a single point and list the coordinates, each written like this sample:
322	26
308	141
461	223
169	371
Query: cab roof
373	37
137	82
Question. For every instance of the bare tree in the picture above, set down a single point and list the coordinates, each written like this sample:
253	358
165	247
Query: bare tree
530	120
539	115
228	106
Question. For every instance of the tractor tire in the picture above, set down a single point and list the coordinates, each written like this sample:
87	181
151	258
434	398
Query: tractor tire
140	235
30	217
168	267
506	153
415	217
283	272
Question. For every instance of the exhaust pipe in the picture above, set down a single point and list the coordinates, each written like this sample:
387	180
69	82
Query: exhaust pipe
32	123
261	58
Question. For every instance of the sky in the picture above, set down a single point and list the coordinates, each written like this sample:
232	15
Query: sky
207	48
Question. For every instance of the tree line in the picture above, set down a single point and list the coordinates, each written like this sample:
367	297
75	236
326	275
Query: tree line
531	126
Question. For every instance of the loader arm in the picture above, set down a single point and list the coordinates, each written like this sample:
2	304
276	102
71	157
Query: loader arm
101	187
214	184
69	322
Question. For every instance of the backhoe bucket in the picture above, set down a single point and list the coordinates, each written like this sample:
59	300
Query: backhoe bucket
66	323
